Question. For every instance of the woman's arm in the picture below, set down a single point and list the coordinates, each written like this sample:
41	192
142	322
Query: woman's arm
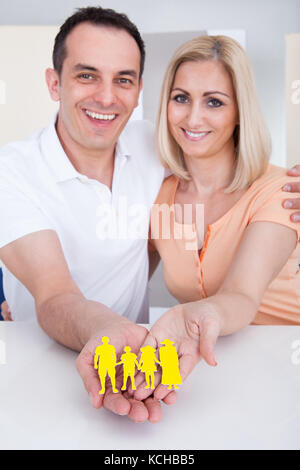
195	326
264	250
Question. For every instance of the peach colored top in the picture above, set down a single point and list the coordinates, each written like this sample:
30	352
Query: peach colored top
190	277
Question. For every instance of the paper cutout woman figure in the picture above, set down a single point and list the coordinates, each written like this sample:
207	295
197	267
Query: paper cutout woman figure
105	360
129	361
147	364
170	365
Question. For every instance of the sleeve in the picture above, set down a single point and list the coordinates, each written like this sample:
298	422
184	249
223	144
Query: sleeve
19	214
151	243
271	210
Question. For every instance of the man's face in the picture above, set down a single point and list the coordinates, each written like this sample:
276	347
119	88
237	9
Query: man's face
98	88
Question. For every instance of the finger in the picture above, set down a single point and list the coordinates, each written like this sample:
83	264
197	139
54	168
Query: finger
295	171
154	410
90	377
141	393
171	398
116	403
291	203
163	393
292	187
138	411
209	333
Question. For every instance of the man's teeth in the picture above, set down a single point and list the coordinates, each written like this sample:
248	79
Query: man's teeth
103	117
195	134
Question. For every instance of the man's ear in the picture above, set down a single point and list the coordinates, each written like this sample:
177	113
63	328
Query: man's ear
52	80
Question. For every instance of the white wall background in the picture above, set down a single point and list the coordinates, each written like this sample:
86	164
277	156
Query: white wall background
266	23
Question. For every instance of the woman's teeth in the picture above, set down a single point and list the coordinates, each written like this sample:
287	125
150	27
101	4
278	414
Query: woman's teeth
195	134
103	117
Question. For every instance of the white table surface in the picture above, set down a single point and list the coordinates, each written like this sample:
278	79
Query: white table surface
251	400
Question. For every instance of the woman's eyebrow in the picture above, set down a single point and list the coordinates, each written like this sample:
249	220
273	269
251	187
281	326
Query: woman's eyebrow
181	90
214	92
207	93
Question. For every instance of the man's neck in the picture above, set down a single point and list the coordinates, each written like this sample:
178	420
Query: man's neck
93	163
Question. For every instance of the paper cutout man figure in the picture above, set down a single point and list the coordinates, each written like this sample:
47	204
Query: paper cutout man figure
105	360
170	364
147	364
129	360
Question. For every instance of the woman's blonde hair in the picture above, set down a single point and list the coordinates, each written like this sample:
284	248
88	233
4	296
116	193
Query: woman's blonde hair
252	140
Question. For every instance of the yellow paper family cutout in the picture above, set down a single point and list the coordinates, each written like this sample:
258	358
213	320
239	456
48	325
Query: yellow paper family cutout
105	360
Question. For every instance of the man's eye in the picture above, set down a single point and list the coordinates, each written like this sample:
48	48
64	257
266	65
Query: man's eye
214	103
124	81
181	99
86	76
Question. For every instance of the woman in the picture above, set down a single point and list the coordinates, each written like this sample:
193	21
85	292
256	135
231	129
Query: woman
239	264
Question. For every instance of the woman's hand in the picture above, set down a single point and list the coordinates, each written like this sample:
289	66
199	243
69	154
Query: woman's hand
194	327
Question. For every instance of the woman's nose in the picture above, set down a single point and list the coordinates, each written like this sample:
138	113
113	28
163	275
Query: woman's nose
196	116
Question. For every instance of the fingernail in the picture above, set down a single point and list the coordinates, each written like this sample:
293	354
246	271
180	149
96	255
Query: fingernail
294	169
296	217
287	187
288	204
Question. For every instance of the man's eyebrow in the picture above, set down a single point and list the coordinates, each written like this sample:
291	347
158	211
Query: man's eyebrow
207	93
85	67
129	72
132	73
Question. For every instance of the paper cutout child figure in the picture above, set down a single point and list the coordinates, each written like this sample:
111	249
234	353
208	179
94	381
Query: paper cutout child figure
105	360
147	364
170	364
129	360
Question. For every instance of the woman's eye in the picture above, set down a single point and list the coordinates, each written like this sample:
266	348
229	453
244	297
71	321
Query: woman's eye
214	103
181	99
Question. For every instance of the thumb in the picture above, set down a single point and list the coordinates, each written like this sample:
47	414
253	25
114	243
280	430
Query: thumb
208	338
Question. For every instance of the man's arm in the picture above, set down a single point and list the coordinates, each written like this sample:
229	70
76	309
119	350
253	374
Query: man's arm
37	260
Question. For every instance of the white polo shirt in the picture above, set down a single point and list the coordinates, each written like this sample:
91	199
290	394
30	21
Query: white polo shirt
103	233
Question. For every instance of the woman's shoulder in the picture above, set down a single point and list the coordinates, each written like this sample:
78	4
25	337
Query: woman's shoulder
167	190
271	181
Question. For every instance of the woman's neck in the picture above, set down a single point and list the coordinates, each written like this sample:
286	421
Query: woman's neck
212	173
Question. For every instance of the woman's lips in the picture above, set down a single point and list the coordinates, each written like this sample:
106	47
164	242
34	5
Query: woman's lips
195	136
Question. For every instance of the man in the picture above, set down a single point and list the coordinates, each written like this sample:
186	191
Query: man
53	187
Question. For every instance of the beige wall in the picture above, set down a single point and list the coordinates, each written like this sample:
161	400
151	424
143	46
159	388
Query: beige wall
293	99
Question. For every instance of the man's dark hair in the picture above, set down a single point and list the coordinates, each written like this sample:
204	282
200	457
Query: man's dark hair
96	16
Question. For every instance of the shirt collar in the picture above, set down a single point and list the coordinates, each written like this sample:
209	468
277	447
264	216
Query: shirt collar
57	159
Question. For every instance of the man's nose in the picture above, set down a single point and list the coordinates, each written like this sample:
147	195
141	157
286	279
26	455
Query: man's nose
105	94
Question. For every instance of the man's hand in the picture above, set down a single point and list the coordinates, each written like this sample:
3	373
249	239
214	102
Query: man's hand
121	333
293	187
194	327
5	311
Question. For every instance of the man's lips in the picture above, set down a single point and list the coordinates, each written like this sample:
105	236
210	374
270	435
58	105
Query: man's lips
100	118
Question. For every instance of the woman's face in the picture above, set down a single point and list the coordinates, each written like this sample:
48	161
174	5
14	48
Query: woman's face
202	110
